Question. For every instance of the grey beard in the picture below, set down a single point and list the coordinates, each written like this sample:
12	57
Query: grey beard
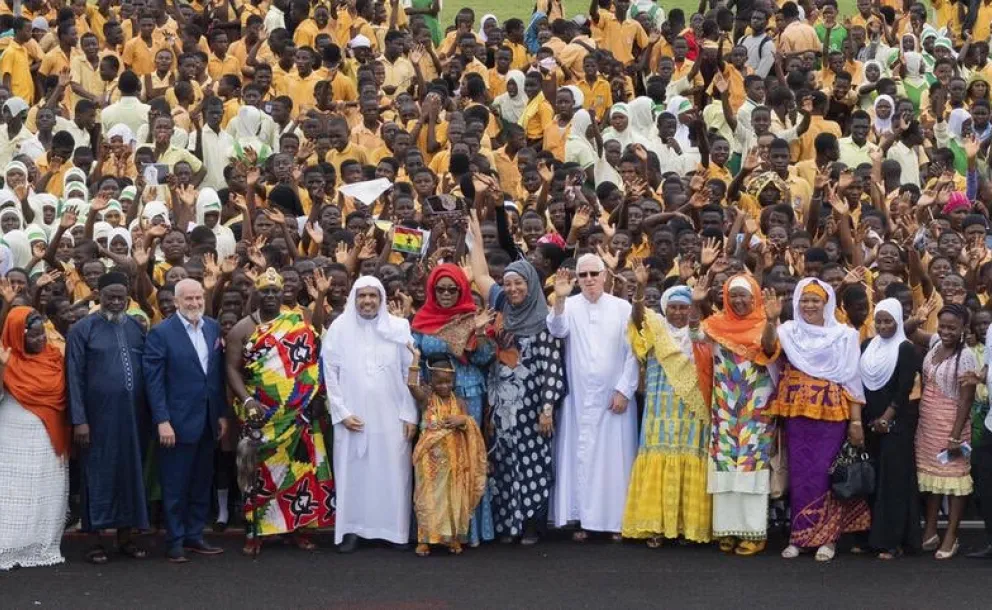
113	318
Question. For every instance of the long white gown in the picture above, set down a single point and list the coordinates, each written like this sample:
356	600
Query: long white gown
594	448
34	490
373	474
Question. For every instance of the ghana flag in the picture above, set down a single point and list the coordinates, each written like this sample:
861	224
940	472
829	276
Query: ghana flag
407	240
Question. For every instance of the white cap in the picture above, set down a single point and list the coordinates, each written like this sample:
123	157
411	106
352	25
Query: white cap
39	23
360	41
15	105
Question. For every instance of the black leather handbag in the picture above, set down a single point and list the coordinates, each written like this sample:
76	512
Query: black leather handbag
852	475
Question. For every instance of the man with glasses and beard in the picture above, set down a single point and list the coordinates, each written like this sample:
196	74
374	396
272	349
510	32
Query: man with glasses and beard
273	370
109	418
597	431
184	373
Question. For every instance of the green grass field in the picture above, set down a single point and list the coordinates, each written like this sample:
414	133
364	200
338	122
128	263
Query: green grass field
522	9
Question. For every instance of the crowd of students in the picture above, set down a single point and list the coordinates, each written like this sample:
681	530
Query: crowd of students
624	272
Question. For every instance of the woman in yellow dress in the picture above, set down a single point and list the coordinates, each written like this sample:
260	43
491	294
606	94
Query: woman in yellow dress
667	495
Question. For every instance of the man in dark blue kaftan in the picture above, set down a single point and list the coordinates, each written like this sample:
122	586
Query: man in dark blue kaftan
107	403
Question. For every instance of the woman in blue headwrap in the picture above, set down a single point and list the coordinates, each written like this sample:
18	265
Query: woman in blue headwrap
533	28
667	494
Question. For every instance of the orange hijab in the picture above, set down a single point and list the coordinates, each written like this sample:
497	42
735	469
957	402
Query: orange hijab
740	335
37	381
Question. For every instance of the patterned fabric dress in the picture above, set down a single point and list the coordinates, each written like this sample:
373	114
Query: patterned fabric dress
528	374
742	436
294	487
470	386
938	410
667	494
816	413
449	473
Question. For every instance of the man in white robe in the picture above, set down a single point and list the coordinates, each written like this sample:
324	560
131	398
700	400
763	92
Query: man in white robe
597	431
365	359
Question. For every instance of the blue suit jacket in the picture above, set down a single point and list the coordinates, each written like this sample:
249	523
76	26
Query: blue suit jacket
179	392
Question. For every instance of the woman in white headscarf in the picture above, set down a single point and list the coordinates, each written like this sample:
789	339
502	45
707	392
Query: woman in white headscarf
20	247
511	104
819	398
960	126
208	213
643	128
45	207
889	365
487	18
15	174
155	212
667	495
119	242
578	148
882	111
11	219
620	128
248	130
677	106
365	360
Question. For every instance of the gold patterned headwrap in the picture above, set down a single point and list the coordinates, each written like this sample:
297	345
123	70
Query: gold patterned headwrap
270	278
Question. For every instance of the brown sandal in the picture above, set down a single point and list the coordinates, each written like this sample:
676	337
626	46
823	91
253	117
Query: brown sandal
423	550
252	547
303	542
455	548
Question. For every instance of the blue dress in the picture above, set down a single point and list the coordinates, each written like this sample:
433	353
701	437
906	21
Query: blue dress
470	386
106	391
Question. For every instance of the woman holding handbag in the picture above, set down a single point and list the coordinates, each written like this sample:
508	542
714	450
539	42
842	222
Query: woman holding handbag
819	397
889	366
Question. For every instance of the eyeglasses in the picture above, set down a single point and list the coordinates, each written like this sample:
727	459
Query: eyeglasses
585	274
447	289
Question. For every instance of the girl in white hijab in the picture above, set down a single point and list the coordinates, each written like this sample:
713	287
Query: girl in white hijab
625	135
578	148
878	361
120	242
11	219
482	26
20	247
883	108
643	126
677	106
512	103
248	131
208	202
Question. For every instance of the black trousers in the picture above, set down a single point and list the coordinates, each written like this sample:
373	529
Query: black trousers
981	473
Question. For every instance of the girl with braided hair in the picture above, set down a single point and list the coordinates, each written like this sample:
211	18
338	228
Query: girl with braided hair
943	468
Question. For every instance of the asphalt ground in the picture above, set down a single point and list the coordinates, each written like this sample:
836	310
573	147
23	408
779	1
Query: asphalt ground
554	574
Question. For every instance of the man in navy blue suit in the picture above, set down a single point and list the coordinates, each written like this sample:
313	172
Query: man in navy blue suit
184	377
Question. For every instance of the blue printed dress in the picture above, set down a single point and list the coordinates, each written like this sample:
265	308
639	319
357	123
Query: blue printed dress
470	386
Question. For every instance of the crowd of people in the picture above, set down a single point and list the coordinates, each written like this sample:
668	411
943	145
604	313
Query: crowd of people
295	265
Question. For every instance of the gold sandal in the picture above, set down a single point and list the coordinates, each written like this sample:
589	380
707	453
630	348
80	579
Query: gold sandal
747	548
727	544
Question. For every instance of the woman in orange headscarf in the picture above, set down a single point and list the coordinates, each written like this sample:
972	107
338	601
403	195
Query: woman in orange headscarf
34	444
743	334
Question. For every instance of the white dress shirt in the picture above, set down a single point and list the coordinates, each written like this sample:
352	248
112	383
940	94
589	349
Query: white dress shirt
195	333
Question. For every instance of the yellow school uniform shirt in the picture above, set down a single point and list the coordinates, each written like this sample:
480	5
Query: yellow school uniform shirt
619	38
440	135
231	108
139	56
17	64
598	96
508	170
399	74
351	151
307	32
54	62
368	139
817	125
301	90
521	59
217	67
497	83
477	67
554	139
449	45
56	182
539	122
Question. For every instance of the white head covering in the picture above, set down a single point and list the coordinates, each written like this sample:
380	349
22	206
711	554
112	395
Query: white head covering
956	121
625	137
482	25
512	107
12	211
830	351
6	259
123	132
207	200
102	230
20	247
914	65
123	234
676	106
155	208
577	145
577	95
878	361
864	71
643	125
884	125
376	349
38	203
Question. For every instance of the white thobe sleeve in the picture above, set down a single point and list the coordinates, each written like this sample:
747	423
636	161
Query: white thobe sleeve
627	384
558	324
335	399
407	408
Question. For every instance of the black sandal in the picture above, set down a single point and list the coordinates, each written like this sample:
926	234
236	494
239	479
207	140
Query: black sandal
132	550
97	555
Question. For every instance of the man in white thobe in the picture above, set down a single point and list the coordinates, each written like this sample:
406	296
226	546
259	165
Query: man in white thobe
365	359
597	432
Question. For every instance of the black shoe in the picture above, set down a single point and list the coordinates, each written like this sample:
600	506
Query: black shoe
176	555
985	553
202	548
348	544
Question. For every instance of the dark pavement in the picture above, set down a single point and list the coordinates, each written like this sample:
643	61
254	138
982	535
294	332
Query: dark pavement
554	574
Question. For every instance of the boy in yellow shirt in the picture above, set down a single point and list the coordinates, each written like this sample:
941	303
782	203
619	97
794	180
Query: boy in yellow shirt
15	64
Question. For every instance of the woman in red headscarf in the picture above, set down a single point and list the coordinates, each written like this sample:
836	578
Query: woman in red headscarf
448	325
34	444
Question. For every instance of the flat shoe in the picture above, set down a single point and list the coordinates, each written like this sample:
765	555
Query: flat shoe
790	552
826	553
747	548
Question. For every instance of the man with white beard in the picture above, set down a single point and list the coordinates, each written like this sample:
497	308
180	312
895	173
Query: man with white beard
366	360
184	377
597	433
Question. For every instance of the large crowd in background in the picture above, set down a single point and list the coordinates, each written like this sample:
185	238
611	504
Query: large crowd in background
295	265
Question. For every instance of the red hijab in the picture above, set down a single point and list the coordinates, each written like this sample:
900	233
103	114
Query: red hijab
432	317
37	381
